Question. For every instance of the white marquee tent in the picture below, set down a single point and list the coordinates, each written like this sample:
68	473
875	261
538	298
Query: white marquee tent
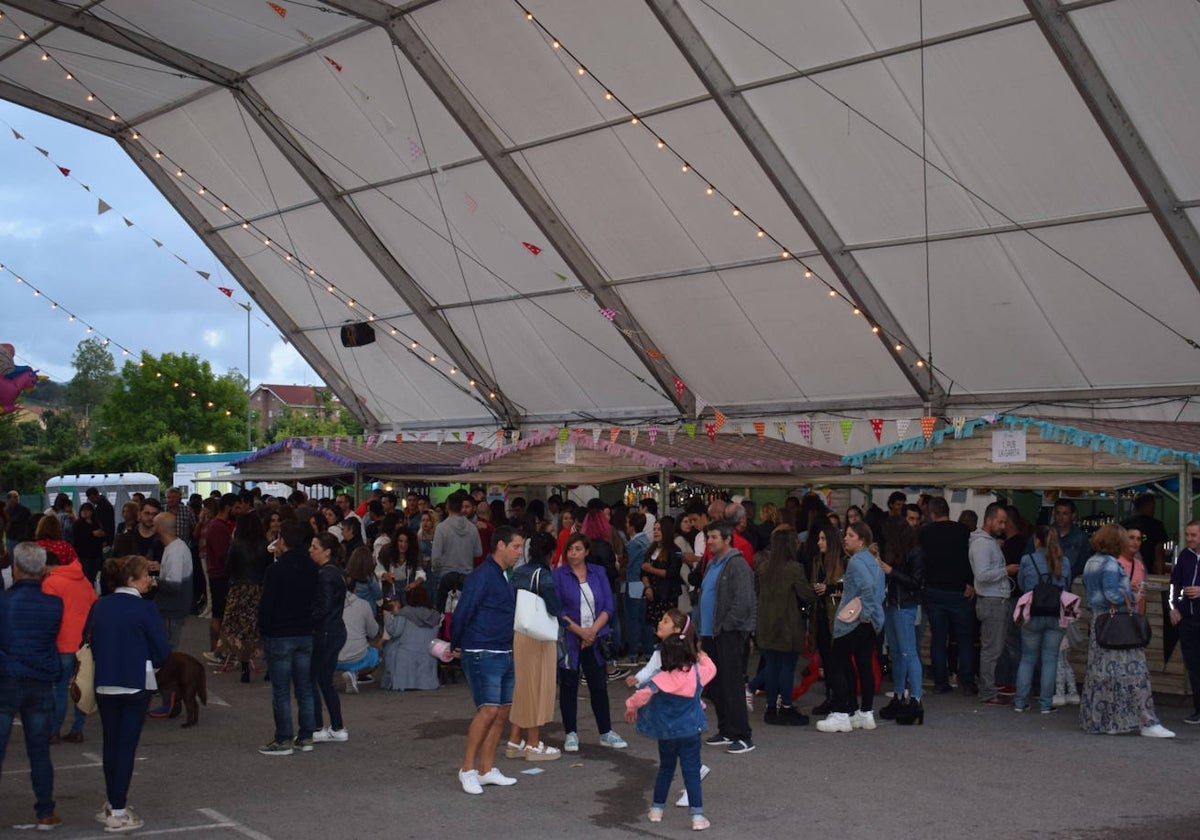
570	211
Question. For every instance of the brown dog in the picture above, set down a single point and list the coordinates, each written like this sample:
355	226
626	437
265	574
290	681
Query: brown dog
182	679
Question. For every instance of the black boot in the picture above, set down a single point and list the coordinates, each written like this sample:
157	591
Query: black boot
790	716
889	711
245	672
911	712
771	717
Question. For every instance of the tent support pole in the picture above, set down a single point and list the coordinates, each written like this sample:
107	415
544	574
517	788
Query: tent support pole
1185	503
664	496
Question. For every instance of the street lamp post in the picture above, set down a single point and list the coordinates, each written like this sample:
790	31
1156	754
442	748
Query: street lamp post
249	437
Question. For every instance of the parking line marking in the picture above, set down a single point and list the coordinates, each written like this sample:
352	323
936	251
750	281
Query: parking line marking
226	822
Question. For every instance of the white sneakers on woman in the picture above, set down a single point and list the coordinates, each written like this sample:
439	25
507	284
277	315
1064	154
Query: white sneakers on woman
1157	731
835	722
862	720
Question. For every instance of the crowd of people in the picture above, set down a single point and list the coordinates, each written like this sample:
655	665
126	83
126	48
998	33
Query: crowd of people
323	587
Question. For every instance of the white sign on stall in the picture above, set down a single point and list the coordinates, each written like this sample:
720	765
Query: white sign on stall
1008	446
564	452
297	458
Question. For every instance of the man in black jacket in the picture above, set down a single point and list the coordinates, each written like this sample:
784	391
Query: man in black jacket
285	622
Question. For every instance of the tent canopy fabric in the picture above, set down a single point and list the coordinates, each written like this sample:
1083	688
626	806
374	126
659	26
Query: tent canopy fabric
998	480
560	211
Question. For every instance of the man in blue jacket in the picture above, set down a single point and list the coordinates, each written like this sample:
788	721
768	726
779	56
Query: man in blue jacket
29	668
482	637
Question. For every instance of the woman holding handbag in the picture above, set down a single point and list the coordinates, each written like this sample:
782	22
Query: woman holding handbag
1116	695
535	661
587	609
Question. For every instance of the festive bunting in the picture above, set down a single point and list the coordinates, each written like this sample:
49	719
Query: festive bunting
127	222
225	291
277	9
334	64
710	429
901	428
805	428
927	424
561	277
740	429
204	274
652	433
371	440
847	428
781	430
671	430
826	427
679	387
472	204
718	419
613	433
596	434
533	249
103	207
959	423
414	150
877	427
760	429
562	435
16	135
608	313
690	428
470	440
66	172
516	435
633	436
654	354
701	402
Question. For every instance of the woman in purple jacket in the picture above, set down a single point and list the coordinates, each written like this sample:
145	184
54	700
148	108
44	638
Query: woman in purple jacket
587	609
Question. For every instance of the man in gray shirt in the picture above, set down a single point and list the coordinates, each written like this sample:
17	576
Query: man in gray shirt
992	598
455	546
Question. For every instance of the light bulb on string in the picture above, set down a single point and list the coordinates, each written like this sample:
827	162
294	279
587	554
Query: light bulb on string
413	346
45	57
875	329
808	273
555	44
920	363
582	71
784	255
899	347
432	359
661	144
833	293
633	121
737	212
709	190
761	233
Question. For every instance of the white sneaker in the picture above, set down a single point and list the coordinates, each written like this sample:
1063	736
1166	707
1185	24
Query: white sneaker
1073	698
323	736
835	722
123	823
339	734
683	797
351	682
863	720
1157	731
1059	700
470	781
495	777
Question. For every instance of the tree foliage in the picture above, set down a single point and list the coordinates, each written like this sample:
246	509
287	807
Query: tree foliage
95	375
177	395
327	419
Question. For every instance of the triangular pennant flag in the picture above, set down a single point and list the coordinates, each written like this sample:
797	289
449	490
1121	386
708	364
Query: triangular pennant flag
337	444
608	313
927	424
740	429
102	207
826	427
633	435
760	429
279	10
338	68
204	274
470	439
66	172
308	39
472	204
371	440
15	135
701	402
671	435
156	242
805	428
181	259
654	354
516	435
690	428
85	186
421	436
227	292
847	428
458	436
959	422
414	151
877	428
579	430
127	222
781	430
613	433
710	429
718	419
596	435
679	386
652	433
533	249
561	277
441	438
902	429
43	151
499	437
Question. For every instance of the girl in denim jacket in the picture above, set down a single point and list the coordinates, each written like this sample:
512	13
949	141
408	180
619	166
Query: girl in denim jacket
672	712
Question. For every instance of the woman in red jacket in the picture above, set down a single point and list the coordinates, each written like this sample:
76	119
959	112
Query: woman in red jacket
68	582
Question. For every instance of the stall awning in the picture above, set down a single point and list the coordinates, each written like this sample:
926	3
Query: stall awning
997	480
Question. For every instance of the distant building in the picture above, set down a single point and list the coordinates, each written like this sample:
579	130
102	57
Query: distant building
270	401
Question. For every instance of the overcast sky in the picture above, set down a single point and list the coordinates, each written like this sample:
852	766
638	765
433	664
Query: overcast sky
108	274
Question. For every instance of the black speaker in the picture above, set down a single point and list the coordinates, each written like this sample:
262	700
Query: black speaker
358	335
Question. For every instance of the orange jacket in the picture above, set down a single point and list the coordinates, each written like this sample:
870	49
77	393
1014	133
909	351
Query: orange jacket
78	594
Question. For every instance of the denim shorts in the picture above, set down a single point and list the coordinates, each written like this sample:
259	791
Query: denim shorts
490	675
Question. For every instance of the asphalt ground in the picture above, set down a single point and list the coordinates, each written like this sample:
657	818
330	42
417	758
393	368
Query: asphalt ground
969	772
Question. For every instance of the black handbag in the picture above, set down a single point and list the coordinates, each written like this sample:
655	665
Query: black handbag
1122	630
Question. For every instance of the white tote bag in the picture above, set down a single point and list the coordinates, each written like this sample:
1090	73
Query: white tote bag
531	618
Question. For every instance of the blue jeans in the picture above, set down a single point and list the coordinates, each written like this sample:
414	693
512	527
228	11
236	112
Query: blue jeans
61	700
33	700
778	675
1040	636
289	661
637	631
686	751
949	608
326	647
491	677
121	719
900	629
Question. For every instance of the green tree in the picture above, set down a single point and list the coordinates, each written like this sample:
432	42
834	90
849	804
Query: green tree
174	394
327	419
63	433
95	375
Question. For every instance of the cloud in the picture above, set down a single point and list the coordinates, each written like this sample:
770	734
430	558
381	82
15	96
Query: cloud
287	367
213	338
20	230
